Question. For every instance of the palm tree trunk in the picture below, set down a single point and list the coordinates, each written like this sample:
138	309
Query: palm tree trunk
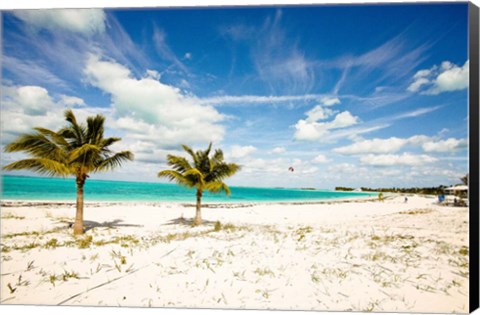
198	214
78	225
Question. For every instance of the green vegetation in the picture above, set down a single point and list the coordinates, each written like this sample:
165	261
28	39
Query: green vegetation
75	150
207	173
413	190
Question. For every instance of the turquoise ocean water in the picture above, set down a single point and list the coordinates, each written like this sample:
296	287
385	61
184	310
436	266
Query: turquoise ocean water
40	188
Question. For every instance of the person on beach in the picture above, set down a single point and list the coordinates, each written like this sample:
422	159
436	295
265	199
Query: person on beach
406	199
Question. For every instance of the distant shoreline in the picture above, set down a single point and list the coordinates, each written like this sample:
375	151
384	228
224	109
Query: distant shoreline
234	204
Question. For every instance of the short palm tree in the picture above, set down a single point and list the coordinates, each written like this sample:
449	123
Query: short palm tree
205	173
76	149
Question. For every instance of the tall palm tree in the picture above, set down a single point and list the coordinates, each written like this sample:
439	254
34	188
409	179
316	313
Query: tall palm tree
464	179
76	149
205	173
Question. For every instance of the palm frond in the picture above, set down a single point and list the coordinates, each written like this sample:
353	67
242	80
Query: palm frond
207	173
105	143
192	154
95	129
195	176
218	156
54	136
41	166
37	145
77	133
114	161
87	154
216	187
222	171
177	177
178	163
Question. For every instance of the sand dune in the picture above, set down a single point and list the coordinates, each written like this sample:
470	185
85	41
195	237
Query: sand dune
360	256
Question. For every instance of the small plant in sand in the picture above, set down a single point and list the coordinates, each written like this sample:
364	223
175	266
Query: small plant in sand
463	251
52	243
417	211
30	265
75	150
118	260
69	275
264	272
11	288
85	242
205	173
301	232
9	215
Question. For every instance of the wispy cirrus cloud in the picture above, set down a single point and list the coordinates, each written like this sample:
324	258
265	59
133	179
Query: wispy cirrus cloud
159	38
31	72
86	22
226	100
278	60
391	62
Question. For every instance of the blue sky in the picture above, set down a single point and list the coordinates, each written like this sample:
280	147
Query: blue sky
349	95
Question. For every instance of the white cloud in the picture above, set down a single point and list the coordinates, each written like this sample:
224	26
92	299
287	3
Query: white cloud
26	107
318	113
452	79
72	101
446	78
84	21
153	74
343	120
417	84
311	130
394	144
320	159
33	100
329	101
278	150
238	152
172	117
405	159
373	146
310	170
448	145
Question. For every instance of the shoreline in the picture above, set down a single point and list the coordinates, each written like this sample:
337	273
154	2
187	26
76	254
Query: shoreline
207	204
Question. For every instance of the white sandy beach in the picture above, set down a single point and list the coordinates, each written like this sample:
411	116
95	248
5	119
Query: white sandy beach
361	256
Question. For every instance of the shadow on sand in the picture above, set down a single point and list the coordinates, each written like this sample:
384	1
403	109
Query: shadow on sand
189	222
88	225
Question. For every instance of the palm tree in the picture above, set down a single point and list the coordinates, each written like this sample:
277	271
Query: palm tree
76	149
205	174
464	180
